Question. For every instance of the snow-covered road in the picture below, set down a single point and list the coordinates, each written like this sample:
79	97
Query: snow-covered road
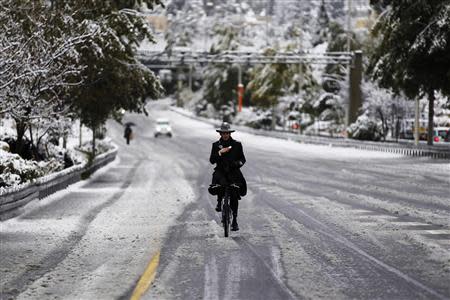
318	222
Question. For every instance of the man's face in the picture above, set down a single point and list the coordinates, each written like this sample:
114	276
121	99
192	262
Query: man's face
225	135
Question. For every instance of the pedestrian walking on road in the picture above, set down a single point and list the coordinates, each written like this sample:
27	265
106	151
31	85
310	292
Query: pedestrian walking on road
128	134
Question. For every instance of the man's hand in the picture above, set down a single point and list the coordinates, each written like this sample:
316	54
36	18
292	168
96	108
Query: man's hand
224	150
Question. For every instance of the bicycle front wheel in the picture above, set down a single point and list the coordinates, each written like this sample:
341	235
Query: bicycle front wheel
226	219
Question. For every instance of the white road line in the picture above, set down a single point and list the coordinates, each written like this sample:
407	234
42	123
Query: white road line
270	189
445	243
233	279
276	258
410	224
361	211
438	231
211	288
99	190
384	217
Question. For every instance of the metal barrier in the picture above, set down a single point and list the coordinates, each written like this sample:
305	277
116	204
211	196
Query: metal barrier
14	198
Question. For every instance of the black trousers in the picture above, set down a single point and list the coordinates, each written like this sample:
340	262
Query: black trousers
219	178
234	202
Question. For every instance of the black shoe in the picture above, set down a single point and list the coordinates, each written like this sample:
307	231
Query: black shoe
219	207
234	225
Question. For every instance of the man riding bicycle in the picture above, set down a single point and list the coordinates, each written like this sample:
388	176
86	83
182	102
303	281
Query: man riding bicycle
228	156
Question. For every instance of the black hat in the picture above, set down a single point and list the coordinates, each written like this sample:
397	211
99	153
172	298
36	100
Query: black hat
225	127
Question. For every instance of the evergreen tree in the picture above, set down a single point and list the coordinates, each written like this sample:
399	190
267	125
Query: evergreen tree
221	79
379	5
185	26
337	73
322	26
271	81
414	53
114	78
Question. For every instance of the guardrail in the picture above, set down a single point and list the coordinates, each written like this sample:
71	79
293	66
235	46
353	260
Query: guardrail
437	152
14	198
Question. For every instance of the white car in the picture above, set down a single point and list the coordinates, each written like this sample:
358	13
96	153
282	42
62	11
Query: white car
163	127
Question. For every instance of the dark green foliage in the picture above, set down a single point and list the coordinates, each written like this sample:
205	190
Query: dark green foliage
334	73
408	57
414	53
221	80
114	78
379	5
323	21
268	84
365	129
221	84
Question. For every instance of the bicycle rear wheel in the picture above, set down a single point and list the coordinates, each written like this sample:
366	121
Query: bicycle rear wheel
226	217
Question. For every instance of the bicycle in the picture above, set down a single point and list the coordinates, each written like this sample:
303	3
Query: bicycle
226	209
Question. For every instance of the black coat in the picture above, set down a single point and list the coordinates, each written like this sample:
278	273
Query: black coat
228	164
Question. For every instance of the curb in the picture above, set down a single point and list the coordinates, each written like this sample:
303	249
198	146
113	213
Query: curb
14	198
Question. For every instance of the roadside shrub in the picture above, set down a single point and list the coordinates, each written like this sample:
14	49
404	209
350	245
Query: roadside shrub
15	170
365	128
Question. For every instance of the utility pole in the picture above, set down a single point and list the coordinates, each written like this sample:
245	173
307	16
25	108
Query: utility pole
350	110
416	122
190	77
349	25
179	86
300	46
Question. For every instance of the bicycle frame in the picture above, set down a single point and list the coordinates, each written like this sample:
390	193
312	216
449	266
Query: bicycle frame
226	211
226	208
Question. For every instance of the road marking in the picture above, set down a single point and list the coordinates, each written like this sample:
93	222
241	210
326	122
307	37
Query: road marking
276	258
386	218
439	231
233	279
147	278
270	189
361	211
399	223
211	288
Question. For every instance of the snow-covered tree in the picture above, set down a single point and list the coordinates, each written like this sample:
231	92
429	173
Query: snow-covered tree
384	108
39	62
269	82
185	25
322	31
221	79
115	79
414	53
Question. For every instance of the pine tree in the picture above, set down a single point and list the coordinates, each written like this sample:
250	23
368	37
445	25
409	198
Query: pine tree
221	79
322	25
414	53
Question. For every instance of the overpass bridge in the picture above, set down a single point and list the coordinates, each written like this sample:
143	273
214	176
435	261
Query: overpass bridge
187	59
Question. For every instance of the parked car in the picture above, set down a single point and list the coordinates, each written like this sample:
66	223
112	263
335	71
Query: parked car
441	134
163	127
